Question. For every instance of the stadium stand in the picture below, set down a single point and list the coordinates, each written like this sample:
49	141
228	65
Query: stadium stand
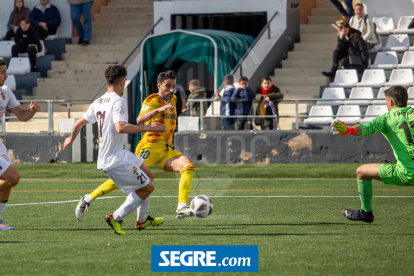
385	25
380	96
39	54
361	93
372	78
19	66
411	95
402	27
402	77
318	113
397	42
332	93
5	48
408	60
385	60
11	82
373	110
349	114
345	78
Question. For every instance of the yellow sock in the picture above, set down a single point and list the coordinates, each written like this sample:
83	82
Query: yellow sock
105	188
186	181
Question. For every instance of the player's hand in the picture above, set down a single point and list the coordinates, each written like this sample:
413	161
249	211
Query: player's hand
340	128
266	99
183	110
217	96
68	141
34	106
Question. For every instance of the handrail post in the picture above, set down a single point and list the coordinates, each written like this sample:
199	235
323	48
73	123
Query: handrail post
201	115
3	123
50	115
68	107
297	114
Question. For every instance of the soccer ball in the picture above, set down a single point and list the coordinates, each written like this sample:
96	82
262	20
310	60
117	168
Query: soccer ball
202	206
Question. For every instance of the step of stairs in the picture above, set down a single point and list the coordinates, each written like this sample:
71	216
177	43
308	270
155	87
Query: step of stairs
119	33
320	38
315	46
122	25
84	65
112	40
108	10
97	56
317	29
295	81
71	74
117	17
326	12
299	72
118	48
292	63
318	20
292	92
130	2
58	82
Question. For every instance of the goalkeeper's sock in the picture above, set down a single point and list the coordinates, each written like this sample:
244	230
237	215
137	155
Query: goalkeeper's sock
105	188
186	182
366	193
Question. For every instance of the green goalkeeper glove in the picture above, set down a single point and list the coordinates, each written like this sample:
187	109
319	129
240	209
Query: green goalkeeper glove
340	128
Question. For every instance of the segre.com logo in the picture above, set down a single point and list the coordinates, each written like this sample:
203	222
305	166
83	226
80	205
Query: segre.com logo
204	258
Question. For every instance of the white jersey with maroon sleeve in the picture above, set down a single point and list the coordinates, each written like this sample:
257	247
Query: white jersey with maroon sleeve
106	111
7	99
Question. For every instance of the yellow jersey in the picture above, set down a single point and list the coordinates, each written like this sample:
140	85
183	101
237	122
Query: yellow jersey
167	118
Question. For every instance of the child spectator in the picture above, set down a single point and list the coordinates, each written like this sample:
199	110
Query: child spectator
16	16
77	8
267	97
244	92
362	23
227	107
196	92
45	19
27	42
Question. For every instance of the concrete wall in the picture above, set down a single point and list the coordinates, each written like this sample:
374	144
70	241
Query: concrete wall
394	9
231	147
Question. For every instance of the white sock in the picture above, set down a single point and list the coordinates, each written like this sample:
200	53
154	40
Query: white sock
181	205
2	207
132	202
142	211
88	199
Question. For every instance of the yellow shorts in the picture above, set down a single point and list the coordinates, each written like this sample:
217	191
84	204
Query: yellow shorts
156	154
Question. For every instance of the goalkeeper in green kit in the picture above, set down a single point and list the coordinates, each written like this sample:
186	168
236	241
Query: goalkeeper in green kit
397	125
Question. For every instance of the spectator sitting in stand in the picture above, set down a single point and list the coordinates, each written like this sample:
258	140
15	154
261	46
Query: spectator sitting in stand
16	16
267	98
27	42
365	25
244	92
196	92
226	107
45	19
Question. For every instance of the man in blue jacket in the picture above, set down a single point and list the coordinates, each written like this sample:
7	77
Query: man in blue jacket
244	108
45	18
227	106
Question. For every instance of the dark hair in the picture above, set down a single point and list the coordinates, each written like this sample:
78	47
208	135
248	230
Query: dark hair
229	79
25	19
242	78
16	19
194	82
266	78
168	75
114	73
398	94
2	62
345	25
359	4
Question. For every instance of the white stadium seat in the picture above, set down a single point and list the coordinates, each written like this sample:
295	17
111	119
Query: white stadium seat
385	25
402	77
51	37
380	97
317	113
374	110
11	82
39	54
402	27
19	66
345	78
408	60
411	95
332	93
373	78
385	60
349	114
5	48
361	93
397	42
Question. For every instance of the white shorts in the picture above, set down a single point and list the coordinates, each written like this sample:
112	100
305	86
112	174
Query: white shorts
128	177
5	162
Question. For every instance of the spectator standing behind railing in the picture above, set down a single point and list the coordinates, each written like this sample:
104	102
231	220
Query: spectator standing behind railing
244	108
351	51
226	107
196	92
364	24
77	8
45	19
182	96
266	102
16	16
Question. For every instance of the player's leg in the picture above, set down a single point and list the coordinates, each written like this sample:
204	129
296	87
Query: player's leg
10	177
182	165
365	174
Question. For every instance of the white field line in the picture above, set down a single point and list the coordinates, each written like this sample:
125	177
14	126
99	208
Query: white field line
177	178
281	196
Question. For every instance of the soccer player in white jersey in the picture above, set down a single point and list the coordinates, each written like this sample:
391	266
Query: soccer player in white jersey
126	169
9	176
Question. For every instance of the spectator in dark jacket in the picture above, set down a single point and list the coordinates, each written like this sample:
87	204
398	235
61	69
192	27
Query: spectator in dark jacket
227	107
267	98
243	108
196	92
45	19
16	16
26	42
350	44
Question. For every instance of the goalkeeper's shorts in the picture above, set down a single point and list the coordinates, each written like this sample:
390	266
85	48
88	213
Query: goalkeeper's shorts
157	153
395	174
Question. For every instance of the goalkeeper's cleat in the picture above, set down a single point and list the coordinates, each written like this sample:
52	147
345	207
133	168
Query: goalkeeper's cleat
150	221
359	215
4	226
115	225
81	208
184	212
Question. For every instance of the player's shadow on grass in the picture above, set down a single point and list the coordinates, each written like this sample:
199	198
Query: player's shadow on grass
274	224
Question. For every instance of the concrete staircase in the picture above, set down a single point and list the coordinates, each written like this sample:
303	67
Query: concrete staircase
115	32
300	75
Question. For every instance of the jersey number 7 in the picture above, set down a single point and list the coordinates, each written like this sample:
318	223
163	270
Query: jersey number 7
407	131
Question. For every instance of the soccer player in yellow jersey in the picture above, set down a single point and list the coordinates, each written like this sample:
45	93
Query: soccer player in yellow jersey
156	149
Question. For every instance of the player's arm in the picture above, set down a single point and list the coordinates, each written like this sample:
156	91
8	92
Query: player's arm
75	131
124	127
25	115
142	118
340	128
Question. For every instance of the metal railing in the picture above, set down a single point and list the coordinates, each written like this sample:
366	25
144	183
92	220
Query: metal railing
293	101
151	31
